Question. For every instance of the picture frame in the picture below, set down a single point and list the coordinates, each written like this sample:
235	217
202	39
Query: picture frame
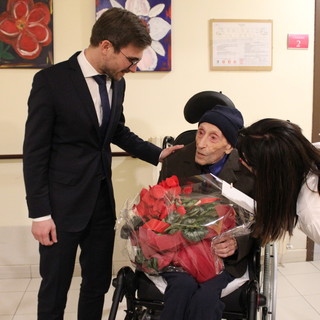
26	33
240	45
157	17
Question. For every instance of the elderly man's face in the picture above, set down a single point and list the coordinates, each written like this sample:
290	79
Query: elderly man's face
211	144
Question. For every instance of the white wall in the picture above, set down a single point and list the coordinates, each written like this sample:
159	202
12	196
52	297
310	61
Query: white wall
154	101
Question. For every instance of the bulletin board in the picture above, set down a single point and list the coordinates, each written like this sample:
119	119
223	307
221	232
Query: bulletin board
240	44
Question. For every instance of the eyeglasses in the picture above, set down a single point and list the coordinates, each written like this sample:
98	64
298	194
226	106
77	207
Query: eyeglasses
133	61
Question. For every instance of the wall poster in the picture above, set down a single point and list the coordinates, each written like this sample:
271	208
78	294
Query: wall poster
240	44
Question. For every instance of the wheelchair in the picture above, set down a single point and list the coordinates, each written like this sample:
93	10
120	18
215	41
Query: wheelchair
254	299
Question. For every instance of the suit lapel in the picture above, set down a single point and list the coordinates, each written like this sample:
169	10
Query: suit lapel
114	103
81	87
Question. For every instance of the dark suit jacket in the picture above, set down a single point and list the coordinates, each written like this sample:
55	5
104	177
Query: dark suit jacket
63	153
182	164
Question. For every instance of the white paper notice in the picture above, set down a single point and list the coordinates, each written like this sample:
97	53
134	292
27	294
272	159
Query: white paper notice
241	43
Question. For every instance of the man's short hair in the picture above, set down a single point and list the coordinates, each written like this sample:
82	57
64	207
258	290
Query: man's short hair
121	27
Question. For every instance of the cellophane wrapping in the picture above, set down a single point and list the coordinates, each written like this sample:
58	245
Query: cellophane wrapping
170	227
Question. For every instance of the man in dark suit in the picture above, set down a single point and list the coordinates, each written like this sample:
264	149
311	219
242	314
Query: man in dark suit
67	161
213	151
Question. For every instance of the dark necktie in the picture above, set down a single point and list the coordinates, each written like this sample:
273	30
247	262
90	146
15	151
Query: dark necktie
101	81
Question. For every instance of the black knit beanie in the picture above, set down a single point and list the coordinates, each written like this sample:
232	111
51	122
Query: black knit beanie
228	120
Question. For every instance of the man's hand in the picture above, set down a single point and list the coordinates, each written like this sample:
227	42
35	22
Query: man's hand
44	232
167	151
224	246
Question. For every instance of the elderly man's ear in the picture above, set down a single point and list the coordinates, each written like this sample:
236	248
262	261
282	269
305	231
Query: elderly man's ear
229	148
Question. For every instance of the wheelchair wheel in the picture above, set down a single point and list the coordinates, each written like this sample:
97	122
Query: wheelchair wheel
269	282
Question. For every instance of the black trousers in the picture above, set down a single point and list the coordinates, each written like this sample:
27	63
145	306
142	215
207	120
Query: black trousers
186	299
96	242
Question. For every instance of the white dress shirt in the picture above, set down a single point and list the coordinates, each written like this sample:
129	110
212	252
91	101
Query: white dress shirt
88	72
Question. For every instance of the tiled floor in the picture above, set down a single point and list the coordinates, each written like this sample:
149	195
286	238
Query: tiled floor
298	295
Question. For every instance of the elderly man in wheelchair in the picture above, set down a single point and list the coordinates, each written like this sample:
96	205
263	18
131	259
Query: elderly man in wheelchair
212	149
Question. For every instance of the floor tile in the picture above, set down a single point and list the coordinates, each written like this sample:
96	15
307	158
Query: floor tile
119	316
24	317
295	308
9	302
70	316
294	281
316	264
72	302
13	285
34	284
28	304
297	268
305	283
314	301
285	288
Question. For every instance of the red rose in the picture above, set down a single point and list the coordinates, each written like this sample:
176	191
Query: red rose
187	190
181	210
157	192
170	182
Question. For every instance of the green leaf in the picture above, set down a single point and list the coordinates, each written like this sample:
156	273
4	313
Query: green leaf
188	202
195	234
4	54
139	258
172	217
7	56
172	230
153	264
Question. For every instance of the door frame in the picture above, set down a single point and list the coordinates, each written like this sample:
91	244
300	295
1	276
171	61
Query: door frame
316	100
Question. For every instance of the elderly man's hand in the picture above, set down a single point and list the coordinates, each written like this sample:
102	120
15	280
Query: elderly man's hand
167	151
224	246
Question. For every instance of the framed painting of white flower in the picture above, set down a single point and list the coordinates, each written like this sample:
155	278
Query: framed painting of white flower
157	15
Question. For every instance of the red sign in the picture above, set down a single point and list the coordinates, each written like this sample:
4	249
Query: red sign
298	41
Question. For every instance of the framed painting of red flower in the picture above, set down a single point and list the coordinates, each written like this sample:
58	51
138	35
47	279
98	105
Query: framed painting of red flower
26	39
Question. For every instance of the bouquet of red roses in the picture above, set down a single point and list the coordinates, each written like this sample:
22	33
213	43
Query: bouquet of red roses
169	225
